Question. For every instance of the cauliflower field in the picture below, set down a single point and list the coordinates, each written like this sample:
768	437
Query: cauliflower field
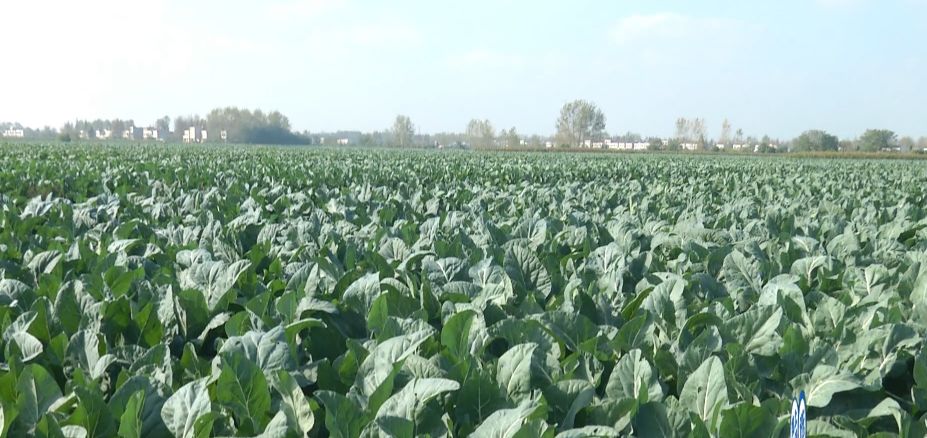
156	291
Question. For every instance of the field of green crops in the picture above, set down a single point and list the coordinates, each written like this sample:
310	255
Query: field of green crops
153	291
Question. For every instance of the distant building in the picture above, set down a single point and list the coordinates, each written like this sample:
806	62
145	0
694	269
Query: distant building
343	141
194	135
14	133
152	133
133	133
689	146
104	134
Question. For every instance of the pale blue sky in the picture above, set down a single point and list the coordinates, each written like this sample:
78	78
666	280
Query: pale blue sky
776	67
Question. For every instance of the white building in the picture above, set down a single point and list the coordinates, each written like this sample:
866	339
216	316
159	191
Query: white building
343	141
152	133
689	146
104	134
194	135
14	133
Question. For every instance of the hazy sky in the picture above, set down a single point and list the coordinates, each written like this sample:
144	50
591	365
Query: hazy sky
776	67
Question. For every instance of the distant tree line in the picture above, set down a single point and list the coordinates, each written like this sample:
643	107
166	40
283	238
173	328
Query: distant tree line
873	140
240	125
44	133
243	126
580	124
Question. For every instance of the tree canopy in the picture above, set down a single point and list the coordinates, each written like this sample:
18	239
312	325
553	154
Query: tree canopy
246	126
480	133
874	140
815	140
403	131
579	121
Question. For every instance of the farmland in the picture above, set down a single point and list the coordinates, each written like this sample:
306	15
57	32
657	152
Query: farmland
175	291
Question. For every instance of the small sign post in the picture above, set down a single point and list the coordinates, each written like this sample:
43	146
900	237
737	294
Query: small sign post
798	421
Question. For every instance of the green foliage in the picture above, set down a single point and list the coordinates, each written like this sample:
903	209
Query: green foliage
403	131
815	140
244	126
579	121
874	140
191	292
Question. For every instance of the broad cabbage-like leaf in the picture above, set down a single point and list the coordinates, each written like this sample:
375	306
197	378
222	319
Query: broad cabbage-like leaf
705	391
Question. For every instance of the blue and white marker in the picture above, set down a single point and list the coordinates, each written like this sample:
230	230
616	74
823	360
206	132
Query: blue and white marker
798	422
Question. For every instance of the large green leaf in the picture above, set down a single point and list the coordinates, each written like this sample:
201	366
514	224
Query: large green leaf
705	391
747	420
526	271
293	402
566	398
518	369
360	295
343	417
756	330
651	420
456	334
401	412
188	412
506	423
269	350
825	381
37	393
378	370
93	413
242	388
214	279
633	378
742	277
130	423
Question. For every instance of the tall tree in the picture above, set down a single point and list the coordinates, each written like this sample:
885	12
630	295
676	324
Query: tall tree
766	145
682	130
725	136
654	144
874	140
815	140
182	123
906	143
922	143
699	131
480	133
403	131
580	121
512	139
118	127
163	124
535	141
